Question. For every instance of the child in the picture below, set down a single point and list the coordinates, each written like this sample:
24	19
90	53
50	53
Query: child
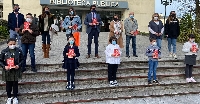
70	63
113	54
153	53
190	48
11	60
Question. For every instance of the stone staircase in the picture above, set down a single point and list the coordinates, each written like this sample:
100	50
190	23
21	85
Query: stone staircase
48	85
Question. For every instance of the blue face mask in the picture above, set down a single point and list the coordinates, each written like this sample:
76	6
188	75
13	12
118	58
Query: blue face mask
131	16
71	42
114	42
71	12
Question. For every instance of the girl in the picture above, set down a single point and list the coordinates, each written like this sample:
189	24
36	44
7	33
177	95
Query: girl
156	28
116	29
11	60
190	48
70	62
113	54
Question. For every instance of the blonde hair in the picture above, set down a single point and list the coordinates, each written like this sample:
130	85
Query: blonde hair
154	16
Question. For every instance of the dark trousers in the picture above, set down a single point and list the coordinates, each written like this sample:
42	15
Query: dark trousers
11	85
71	73
25	48
112	70
188	70
128	38
46	37
68	35
94	33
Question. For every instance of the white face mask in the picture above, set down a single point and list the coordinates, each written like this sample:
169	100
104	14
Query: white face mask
28	20
12	46
154	43
155	18
192	40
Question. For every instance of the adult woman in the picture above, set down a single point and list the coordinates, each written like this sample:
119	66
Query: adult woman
156	28
72	23
172	31
45	21
116	29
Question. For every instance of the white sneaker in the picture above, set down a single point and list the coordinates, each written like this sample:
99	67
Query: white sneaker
112	84
174	56
15	101
9	101
170	55
115	83
192	79
188	80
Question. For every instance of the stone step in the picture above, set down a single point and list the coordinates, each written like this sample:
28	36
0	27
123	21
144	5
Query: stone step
101	73
109	93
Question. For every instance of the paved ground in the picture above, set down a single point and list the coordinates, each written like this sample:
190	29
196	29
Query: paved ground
60	41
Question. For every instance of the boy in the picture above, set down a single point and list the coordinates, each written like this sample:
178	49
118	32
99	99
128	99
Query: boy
11	59
153	53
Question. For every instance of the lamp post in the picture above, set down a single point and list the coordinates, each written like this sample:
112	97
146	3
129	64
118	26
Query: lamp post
166	3
13	4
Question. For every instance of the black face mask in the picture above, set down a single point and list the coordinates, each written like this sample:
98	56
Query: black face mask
115	19
173	15
93	10
47	12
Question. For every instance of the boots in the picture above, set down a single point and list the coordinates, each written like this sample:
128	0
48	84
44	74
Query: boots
44	50
47	50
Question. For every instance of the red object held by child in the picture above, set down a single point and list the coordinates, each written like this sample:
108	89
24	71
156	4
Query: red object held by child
194	48
71	52
26	25
75	27
155	54
94	21
116	52
10	63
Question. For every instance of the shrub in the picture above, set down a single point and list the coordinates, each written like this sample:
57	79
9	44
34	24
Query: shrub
187	26
4	34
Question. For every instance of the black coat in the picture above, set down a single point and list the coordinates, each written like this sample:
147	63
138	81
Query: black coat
13	74
41	22
67	61
172	29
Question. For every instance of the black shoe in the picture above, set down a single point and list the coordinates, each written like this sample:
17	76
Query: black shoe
72	86
68	87
34	70
135	55
23	70
155	81
128	56
149	83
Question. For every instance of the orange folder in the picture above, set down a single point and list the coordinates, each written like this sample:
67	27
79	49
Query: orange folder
77	38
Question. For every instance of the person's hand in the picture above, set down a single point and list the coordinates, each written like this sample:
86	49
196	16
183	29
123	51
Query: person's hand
113	55
94	24
74	54
16	67
17	29
70	27
159	34
97	23
197	49
50	29
156	34
30	31
7	68
117	32
90	24
23	30
132	32
66	54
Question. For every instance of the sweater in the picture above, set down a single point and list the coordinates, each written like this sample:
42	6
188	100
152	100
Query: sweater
187	46
150	50
155	28
172	28
109	51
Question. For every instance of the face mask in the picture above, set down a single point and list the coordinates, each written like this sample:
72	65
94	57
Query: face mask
115	19
192	40
47	12
12	46
173	15
155	18
93	10
71	13
114	42
28	20
71	42
154	43
131	16
16	10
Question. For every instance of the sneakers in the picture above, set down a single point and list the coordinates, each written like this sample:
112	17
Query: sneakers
155	81
174	56
15	101
149	83
68	87
170	55
9	101
112	84
72	86
188	80
192	79
115	83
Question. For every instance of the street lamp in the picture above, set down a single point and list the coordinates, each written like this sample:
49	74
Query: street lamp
166	3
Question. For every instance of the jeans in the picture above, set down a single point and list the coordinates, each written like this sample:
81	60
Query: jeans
15	35
25	48
128	38
152	68
159	43
112	70
171	42
46	37
94	33
188	71
11	85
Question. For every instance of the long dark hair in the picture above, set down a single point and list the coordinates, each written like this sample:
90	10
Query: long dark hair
72	10
43	12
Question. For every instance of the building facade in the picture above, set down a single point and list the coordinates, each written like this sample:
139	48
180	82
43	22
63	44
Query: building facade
143	9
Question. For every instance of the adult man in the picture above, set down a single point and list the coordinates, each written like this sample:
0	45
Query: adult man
131	26
15	20
93	22
29	33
